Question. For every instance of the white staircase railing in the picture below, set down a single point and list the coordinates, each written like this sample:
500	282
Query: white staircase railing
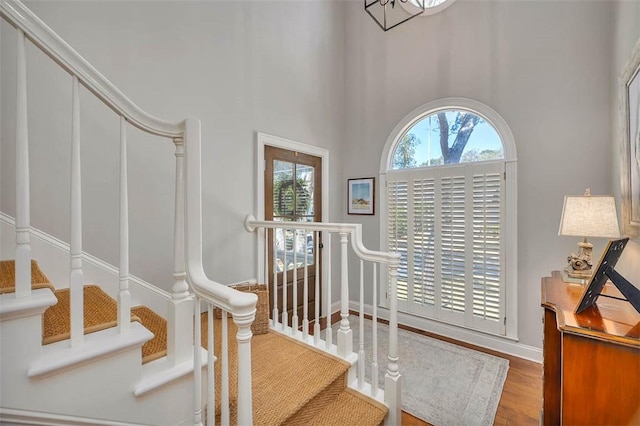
187	227
299	257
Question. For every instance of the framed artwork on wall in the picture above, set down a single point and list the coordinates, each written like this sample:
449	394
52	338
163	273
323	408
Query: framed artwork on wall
361	196
630	149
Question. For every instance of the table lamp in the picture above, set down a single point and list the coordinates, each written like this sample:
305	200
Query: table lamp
586	216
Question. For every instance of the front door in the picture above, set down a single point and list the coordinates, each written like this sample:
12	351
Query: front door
293	185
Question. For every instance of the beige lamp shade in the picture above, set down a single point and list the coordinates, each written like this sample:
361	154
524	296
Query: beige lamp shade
589	216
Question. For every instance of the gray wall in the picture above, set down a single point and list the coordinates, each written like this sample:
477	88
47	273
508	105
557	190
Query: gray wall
322	73
543	66
241	67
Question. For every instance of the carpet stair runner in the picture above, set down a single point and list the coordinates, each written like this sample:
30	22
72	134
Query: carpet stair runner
293	384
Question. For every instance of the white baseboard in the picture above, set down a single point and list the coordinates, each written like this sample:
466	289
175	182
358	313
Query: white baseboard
495	343
10	416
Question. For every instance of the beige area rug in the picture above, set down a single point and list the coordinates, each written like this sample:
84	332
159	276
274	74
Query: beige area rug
443	384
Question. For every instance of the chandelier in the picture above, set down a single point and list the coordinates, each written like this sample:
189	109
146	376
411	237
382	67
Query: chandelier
391	13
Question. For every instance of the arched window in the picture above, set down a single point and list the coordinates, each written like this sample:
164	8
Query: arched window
449	209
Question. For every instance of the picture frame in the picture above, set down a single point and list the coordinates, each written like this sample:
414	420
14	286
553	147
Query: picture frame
630	147
606	271
361	196
594	287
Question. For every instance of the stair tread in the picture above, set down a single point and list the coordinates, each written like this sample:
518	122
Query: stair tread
286	374
293	376
8	277
156	347
350	408
100	313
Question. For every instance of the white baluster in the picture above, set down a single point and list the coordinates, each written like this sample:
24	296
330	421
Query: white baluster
275	314
180	315
305	292
23	212
76	278
197	367
345	335
392	381
265	270
361	355
329	330
316	261
245	403
124	297
294	312
285	316
224	389
211	385
374	319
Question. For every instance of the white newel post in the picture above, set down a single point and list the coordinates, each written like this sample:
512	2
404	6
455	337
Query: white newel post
345	335
392	379
23	247
181	315
124	296
245	404
76	278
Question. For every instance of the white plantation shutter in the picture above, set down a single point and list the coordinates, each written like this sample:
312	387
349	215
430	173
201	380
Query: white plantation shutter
452	239
488	252
424	290
397	230
447	224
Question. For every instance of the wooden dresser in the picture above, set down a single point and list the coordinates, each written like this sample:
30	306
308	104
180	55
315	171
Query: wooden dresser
591	373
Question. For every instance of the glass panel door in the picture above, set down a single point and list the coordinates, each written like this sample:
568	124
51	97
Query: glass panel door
292	194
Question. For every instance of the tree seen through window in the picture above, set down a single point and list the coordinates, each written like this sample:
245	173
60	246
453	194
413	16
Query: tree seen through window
447	137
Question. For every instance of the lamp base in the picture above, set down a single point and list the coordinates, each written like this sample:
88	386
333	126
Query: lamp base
576	277
579	270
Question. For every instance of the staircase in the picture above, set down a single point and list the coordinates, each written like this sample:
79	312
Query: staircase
293	384
81	350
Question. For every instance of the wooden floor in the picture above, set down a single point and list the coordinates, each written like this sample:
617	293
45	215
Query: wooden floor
521	396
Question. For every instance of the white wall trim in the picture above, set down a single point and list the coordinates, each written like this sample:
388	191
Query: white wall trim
496	343
161	371
15	416
12	307
101	344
